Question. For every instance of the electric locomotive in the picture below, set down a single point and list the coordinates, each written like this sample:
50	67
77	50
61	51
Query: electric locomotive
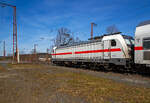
111	50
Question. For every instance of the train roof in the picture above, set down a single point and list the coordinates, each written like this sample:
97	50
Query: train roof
144	23
93	41
80	43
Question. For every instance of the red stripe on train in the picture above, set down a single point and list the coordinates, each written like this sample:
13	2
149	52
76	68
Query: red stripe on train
98	51
90	51
62	53
138	48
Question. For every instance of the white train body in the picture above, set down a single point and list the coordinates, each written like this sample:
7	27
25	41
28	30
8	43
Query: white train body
142	43
111	48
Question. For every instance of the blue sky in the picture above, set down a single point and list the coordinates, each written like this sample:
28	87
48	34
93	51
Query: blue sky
42	18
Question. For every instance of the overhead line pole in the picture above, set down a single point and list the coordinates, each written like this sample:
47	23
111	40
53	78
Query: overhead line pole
92	25
35	45
15	43
4	51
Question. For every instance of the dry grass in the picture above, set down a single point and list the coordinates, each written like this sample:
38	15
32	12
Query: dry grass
2	68
93	89
96	90
26	66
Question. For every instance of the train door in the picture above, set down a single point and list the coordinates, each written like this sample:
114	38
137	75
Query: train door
106	47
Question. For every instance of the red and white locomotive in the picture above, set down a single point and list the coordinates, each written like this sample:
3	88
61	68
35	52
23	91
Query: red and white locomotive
109	50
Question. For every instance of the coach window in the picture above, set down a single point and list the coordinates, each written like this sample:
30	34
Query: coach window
113	43
146	43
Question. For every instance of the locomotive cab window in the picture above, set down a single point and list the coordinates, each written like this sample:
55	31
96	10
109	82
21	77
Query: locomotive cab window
113	43
146	43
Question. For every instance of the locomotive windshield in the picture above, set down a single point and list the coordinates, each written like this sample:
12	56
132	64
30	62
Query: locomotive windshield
129	40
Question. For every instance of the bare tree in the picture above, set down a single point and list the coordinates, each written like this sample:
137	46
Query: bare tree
112	29
63	37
